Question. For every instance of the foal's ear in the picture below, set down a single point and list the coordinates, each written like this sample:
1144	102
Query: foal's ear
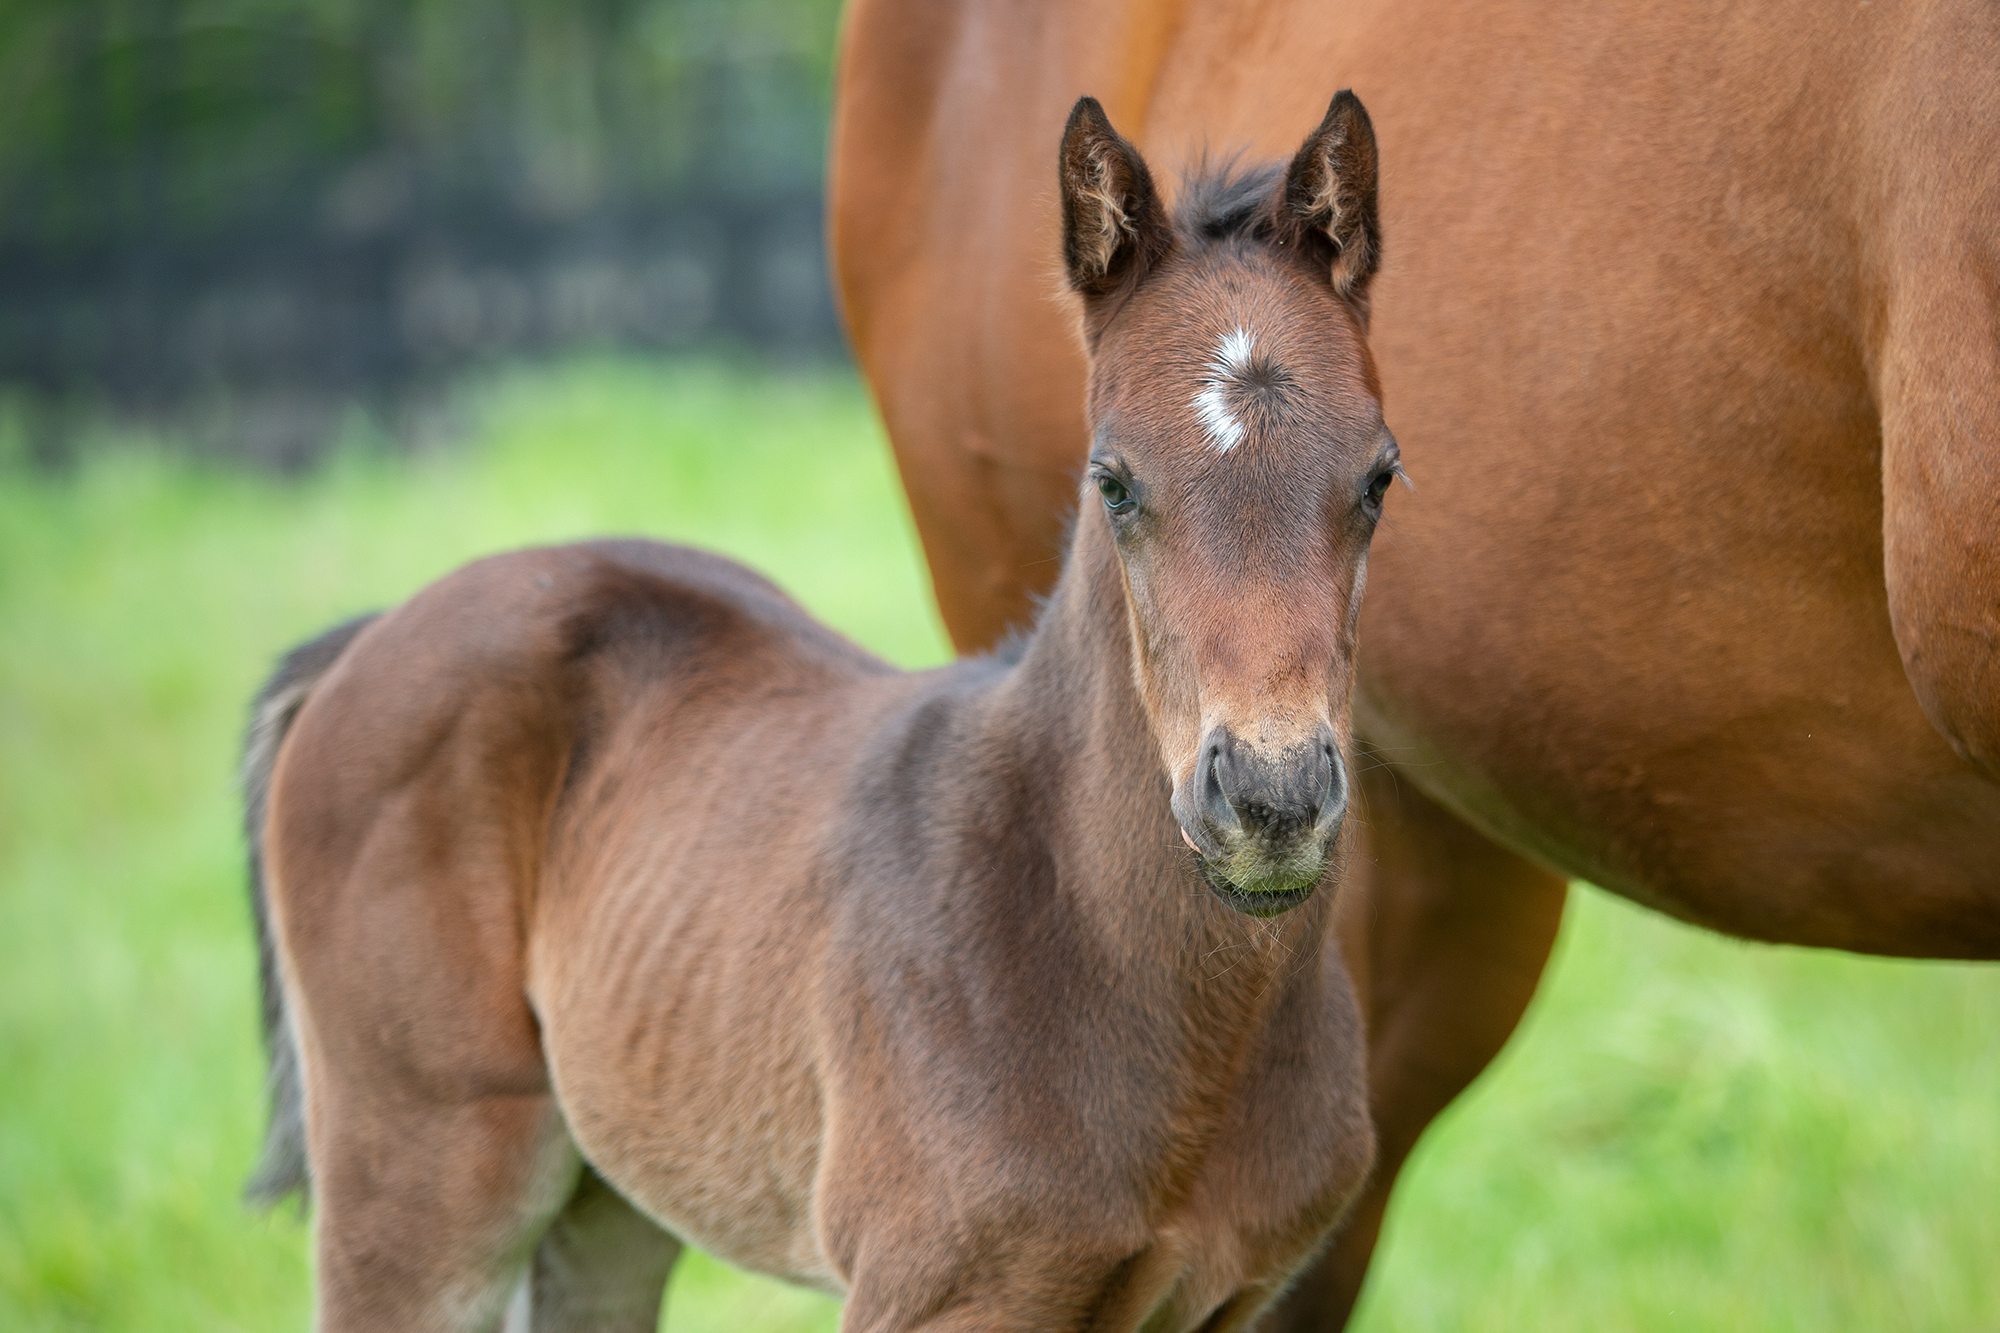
1330	196
1114	227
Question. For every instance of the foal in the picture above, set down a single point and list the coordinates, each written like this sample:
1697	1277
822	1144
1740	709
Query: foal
609	901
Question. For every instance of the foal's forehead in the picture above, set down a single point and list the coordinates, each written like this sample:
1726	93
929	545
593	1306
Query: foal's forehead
1229	356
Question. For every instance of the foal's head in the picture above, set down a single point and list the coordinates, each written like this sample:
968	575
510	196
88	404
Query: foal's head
1239	461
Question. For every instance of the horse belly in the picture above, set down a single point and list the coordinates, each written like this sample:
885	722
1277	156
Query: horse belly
675	1004
1634	620
702	1113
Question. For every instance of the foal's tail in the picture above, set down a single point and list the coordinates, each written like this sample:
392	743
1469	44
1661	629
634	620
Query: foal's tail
282	1169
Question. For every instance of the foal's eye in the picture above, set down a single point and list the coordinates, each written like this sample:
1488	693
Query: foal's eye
1378	488
1116	498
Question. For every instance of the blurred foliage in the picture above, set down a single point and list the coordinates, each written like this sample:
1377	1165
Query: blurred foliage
266	209
127	119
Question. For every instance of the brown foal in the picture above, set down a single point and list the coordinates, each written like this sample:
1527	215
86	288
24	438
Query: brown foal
611	902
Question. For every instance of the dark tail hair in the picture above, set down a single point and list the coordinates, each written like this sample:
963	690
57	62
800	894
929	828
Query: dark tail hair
282	1170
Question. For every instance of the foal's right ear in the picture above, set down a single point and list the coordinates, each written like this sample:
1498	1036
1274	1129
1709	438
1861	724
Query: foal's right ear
1329	197
1114	227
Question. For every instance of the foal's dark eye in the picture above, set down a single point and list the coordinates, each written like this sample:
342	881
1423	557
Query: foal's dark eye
1378	488
1116	498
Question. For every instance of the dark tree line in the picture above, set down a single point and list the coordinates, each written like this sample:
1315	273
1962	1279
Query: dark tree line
275	206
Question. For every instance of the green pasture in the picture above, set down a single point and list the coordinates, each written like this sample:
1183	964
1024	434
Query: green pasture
1689	1133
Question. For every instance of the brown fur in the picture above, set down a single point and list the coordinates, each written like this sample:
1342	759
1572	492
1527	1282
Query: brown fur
1689	328
616	902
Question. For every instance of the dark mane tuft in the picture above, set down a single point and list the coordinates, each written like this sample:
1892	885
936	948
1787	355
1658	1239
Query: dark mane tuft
1224	198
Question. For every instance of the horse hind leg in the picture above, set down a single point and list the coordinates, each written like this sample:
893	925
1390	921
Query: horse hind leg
428	1213
1446	934
438	1152
468	1215
601	1267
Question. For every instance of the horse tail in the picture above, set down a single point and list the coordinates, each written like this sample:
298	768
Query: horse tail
282	1169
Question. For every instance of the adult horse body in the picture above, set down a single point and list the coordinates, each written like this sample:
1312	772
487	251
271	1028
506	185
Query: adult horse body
1690	324
927	988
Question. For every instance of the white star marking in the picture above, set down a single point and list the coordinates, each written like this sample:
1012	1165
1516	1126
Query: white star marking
1211	402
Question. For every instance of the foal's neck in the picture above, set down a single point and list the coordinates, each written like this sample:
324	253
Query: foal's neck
1072	708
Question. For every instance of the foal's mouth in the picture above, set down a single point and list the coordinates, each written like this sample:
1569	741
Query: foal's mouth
1257	902
1286	891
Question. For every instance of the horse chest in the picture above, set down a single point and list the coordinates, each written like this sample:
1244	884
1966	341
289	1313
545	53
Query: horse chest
1128	1195
1270	1176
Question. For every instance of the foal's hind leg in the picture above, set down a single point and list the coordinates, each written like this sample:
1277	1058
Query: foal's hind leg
439	1155
1446	934
601	1267
427	1213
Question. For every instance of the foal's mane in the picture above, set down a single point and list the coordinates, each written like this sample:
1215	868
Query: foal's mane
1223	199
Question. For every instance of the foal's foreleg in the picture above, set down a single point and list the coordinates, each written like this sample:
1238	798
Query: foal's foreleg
1446	934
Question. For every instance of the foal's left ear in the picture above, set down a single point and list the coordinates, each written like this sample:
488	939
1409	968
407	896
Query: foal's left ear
1114	226
1330	196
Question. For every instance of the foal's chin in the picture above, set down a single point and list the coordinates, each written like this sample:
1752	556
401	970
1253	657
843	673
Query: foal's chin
1256	887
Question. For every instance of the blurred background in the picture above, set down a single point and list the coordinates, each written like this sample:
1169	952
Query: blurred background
304	304
244	217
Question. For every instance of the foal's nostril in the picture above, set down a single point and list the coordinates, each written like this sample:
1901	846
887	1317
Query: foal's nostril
1276	799
1216	806
1333	802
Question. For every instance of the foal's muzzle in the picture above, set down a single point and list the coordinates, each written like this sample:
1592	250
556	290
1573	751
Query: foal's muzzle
1263	821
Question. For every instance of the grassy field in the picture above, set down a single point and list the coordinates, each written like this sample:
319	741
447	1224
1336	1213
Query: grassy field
1689	1133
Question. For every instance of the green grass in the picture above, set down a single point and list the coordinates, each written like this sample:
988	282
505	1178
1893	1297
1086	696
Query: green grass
1695	1133
1689	1133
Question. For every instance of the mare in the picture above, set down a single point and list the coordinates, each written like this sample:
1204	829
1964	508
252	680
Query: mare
1690	327
609	901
